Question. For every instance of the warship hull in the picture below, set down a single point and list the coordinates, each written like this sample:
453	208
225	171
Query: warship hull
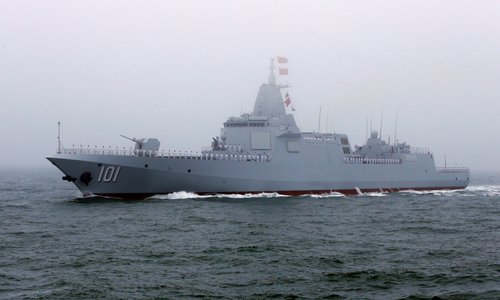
260	151
136	177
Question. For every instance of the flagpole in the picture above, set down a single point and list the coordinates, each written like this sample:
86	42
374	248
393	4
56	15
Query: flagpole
58	137
366	131
381	120
319	120
396	127
272	77
326	127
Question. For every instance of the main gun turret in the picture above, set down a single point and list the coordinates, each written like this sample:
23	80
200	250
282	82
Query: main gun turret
145	146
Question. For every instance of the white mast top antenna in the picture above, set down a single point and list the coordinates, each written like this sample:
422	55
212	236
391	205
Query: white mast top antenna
272	77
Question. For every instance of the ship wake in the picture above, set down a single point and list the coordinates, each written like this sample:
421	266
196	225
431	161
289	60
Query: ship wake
482	190
188	195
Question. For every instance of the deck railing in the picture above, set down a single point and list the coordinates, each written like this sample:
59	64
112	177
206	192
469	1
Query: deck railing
205	155
413	150
453	169
372	161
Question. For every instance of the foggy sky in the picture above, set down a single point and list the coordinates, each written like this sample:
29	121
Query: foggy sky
177	70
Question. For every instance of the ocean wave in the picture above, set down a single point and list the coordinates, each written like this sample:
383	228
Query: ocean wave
484	190
490	191
324	196
470	191
431	192
373	194
189	195
90	196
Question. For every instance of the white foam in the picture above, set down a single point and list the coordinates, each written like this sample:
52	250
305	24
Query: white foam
178	196
490	190
89	195
246	196
469	191
188	195
372	194
432	192
484	190
328	195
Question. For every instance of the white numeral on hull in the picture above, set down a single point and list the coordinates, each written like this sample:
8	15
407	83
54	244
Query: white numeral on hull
108	174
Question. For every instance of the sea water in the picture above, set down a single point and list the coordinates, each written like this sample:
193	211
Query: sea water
54	244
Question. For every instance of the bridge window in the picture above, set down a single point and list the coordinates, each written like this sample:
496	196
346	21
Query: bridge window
235	124
256	124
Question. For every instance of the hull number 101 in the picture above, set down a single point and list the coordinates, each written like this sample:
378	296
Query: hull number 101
108	174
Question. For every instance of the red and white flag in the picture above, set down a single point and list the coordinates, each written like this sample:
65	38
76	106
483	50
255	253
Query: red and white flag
288	101
282	60
283	71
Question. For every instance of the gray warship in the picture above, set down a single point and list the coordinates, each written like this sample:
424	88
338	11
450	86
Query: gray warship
259	152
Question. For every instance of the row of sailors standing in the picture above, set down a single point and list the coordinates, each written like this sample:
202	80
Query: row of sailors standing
218	156
377	161
235	157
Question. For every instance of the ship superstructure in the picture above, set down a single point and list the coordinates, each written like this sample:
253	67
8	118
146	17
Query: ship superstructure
261	151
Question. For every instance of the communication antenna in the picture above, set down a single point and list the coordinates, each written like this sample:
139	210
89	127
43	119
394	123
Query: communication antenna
366	130
396	127
381	121
328	119
58	137
319	120
326	127
272	77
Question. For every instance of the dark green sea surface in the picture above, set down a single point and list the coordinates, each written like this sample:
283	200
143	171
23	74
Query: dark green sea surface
410	245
